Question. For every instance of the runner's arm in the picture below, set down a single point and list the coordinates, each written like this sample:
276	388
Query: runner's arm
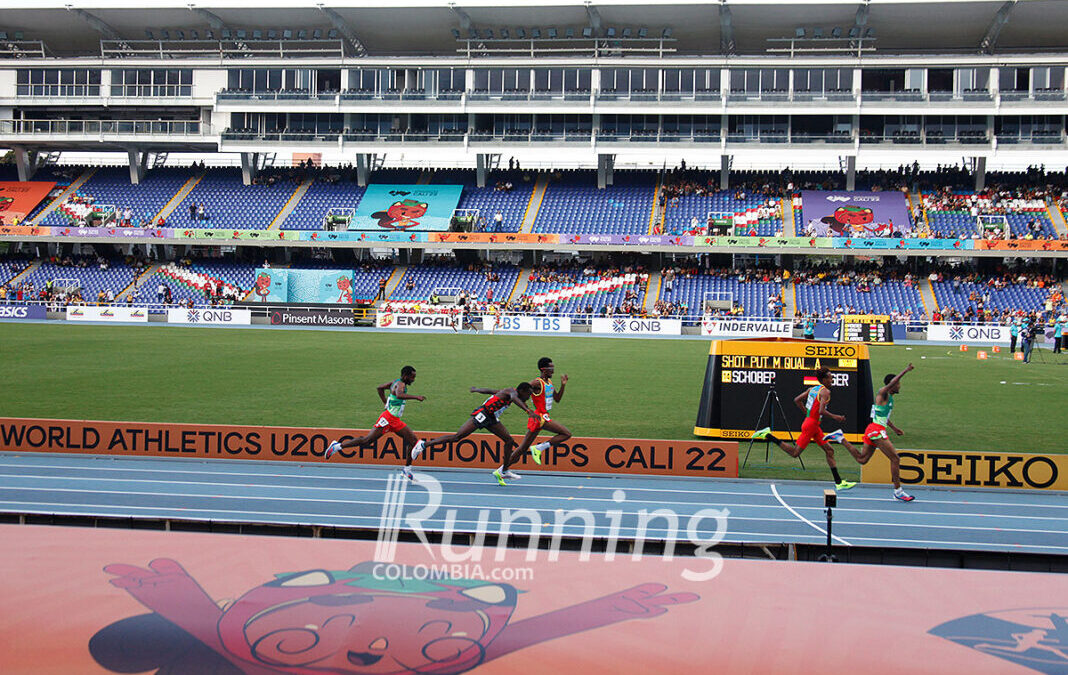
559	393
825	399
897	431
398	391
799	400
891	383
514	396
483	390
382	391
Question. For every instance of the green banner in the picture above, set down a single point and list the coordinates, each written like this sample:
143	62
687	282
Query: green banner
257	235
766	242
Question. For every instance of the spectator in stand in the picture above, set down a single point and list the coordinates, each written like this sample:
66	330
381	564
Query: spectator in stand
810	329
202	215
193	211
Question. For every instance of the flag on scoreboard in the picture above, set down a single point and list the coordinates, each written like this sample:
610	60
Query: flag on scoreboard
811	381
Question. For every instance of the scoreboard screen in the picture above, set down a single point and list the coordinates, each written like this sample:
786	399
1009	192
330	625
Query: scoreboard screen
867	328
741	372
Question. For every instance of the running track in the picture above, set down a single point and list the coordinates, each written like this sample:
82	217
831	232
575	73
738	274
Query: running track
350	496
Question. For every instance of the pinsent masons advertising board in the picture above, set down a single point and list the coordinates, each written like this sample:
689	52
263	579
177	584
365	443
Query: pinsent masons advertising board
526	324
311	317
477	451
22	312
991	335
746	328
625	325
419	321
86	313
213	315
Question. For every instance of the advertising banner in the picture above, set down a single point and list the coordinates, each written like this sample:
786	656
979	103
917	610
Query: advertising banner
973	469
85	313
312	317
492	238
213	315
25	230
271	285
405	208
855	214
766	242
985	334
911	244
419	321
625	325
478	451
260	235
22	312
624	239
746	328
1021	245
385	236
510	323
114	232
19	198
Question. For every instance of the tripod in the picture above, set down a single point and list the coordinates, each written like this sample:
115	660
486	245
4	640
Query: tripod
769	397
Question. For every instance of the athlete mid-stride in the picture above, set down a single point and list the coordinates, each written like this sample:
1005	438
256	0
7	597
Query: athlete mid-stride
544	395
875	436
390	419
486	416
814	402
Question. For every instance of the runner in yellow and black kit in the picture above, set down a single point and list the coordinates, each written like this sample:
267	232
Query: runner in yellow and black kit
876	436
487	416
544	395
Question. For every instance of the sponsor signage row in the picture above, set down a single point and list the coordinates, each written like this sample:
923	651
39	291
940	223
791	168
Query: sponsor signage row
510	323
986	334
212	315
478	451
973	469
419	321
22	312
311	317
114	313
746	328
619	325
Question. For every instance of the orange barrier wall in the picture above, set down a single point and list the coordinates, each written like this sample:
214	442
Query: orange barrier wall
478	451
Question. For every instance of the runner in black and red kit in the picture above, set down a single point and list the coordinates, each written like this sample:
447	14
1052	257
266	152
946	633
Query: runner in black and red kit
487	416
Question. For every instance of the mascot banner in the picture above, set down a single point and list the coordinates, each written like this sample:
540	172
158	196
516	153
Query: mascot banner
406	208
328	287
855	214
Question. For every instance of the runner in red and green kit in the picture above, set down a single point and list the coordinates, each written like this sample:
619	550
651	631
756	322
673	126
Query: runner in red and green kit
876	435
389	420
814	402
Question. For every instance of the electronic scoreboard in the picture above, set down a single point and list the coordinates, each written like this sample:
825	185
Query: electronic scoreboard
875	328
741	372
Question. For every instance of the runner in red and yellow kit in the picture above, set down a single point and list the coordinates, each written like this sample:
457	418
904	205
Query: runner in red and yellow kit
544	396
390	419
814	402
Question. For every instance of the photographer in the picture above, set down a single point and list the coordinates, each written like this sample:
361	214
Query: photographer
1027	333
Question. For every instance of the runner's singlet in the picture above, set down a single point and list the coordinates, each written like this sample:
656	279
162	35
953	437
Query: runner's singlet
495	405
880	414
394	404
812	404
543	402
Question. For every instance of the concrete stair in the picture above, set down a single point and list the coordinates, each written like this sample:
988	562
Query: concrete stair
930	303
291	203
178	198
535	203
1055	215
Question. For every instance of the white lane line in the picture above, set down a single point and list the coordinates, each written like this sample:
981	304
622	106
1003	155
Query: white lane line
804	519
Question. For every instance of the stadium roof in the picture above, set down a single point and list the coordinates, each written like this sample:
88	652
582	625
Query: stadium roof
421	27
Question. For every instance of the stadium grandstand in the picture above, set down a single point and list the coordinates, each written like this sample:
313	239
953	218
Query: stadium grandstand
224	225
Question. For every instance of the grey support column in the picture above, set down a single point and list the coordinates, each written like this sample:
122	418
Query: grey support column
851	173
605	164
724	172
979	164
249	166
25	162
481	169
138	165
363	169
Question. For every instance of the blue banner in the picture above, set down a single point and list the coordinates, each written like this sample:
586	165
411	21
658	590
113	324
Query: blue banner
406	208
907	244
271	285
22	312
386	236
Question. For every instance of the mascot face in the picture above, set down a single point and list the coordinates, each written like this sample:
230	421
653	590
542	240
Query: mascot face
343	283
854	215
263	281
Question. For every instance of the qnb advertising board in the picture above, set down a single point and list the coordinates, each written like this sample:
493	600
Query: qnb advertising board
221	316
419	321
625	325
991	335
130	314
746	328
526	324
17	199
406	208
855	214
740	373
327	287
875	328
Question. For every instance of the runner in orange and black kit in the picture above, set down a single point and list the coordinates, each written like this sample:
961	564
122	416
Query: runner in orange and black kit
544	395
487	416
814	402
